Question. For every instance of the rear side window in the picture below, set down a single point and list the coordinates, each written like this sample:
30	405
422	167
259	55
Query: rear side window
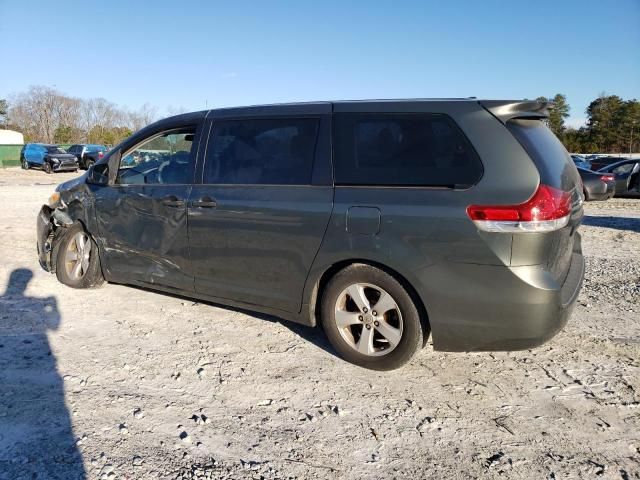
262	151
402	150
622	169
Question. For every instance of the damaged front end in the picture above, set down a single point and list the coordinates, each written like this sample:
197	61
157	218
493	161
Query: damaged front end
52	220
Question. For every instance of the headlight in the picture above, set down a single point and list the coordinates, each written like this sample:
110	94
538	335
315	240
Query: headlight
54	199
55	160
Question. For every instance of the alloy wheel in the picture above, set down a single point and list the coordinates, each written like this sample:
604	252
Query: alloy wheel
368	319
77	255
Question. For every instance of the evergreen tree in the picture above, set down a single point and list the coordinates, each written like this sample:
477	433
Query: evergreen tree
557	114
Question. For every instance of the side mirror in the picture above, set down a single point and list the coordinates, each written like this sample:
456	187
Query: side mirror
98	174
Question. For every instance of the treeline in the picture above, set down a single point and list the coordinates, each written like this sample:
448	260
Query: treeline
44	114
612	125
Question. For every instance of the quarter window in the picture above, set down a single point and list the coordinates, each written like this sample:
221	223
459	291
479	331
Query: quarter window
164	158
402	150
264	151
622	169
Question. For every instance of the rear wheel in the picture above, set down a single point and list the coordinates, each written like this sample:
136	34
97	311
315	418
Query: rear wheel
77	260
46	166
370	319
25	164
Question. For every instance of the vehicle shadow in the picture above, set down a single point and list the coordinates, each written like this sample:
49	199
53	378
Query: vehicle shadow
630	224
314	335
36	436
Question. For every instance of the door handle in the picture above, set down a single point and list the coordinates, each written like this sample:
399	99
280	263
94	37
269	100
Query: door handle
172	201
204	202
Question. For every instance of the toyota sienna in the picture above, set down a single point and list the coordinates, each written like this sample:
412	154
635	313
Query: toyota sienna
383	221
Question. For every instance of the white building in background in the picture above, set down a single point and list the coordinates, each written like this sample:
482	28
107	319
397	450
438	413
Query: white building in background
9	137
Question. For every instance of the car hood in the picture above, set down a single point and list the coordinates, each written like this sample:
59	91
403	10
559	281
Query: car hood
73	183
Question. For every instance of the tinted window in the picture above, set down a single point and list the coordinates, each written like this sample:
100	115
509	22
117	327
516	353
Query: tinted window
622	169
269	151
402	149
546	151
161	159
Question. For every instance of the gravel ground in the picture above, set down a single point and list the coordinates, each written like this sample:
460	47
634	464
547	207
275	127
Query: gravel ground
124	383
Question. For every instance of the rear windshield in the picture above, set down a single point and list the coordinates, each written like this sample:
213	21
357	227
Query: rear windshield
403	150
546	151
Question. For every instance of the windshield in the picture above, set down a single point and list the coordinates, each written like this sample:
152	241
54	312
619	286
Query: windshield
54	149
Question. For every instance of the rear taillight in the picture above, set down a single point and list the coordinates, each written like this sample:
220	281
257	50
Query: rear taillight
100	154
607	178
549	209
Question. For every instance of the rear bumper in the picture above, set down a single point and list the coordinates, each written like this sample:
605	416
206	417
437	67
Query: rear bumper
604	191
494	308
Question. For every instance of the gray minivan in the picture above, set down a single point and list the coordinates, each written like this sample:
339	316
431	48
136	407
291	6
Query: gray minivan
383	221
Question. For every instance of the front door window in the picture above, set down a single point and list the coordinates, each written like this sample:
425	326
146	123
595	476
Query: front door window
161	159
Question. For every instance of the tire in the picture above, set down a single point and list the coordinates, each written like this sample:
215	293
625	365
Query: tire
88	164
24	164
46	166
70	252
586	195
400	320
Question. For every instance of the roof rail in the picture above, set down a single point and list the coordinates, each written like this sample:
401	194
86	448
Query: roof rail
505	110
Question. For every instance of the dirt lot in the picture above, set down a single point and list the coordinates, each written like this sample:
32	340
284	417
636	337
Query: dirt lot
123	383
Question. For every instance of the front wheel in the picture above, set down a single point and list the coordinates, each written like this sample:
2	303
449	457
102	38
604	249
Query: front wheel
370	319
46	166
25	164
77	260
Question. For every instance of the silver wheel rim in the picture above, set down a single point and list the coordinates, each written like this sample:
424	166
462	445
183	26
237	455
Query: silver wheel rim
76	260
368	319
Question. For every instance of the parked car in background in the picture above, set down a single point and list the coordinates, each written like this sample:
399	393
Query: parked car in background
627	174
581	162
87	154
601	162
597	186
385	221
49	158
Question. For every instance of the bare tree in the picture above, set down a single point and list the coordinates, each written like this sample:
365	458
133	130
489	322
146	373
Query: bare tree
171	110
142	117
42	111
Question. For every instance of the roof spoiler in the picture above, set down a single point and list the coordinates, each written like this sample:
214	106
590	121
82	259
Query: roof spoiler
505	110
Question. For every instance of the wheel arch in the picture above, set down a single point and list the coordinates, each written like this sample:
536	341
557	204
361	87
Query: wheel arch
76	214
329	272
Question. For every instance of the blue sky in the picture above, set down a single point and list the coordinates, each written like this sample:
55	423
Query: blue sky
196	54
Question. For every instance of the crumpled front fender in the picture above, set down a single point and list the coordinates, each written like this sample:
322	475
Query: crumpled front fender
49	223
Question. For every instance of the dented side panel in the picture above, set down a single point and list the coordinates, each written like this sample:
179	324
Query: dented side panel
143	234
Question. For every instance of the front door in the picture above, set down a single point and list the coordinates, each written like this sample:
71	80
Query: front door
142	217
257	220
